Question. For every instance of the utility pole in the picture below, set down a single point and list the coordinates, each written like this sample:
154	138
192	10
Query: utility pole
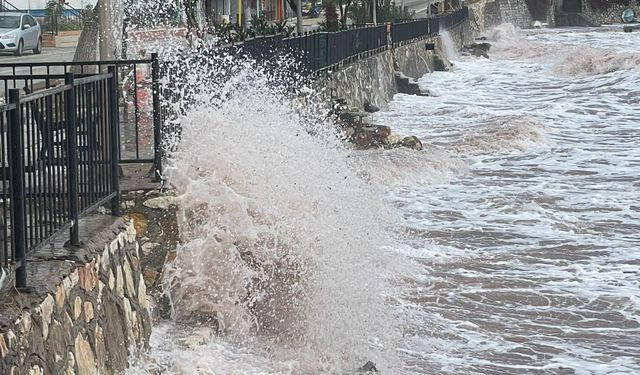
300	27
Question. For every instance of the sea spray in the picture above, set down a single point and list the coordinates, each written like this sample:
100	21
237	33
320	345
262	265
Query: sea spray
281	239
448	45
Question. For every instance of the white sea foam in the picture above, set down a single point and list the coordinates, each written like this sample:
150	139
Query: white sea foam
567	59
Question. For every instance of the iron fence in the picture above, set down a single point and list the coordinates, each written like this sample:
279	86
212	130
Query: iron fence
138	102
406	32
60	161
316	51
62	17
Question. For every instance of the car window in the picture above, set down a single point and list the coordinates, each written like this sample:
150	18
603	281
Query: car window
9	22
25	21
31	21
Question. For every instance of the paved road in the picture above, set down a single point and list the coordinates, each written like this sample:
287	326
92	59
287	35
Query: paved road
48	54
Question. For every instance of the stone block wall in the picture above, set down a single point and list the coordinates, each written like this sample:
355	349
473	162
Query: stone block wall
610	14
515	12
370	80
85	317
373	79
485	14
414	60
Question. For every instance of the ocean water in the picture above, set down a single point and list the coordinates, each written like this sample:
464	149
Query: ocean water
510	245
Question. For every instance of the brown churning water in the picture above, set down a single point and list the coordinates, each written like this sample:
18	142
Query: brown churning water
531	259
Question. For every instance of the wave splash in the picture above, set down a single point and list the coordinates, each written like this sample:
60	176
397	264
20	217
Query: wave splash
281	239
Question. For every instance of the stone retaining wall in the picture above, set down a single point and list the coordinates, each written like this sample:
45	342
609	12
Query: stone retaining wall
370	80
610	14
373	79
83	317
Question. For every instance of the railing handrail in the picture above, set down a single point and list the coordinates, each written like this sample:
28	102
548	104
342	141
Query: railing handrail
76	63
28	120
43	93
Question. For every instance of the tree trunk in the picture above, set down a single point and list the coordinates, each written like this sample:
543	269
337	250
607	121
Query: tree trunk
106	33
87	49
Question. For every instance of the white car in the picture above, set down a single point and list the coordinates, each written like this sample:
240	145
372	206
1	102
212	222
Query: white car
19	32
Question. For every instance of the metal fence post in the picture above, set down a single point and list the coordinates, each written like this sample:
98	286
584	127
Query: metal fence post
72	159
114	127
157	119
18	216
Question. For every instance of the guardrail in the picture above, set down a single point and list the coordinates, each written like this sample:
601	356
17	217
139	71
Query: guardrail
318	51
59	161
137	101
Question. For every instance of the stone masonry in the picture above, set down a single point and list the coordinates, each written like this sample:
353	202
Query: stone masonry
85	315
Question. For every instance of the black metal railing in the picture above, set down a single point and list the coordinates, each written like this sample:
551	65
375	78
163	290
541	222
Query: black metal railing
137	99
62	17
408	31
60	161
317	51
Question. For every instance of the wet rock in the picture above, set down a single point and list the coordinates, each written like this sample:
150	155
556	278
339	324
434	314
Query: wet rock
412	142
368	367
77	307
88	311
439	64
3	347
71	364
115	339
46	309
162	203
119	282
478	49
353	118
198	337
140	222
101	351
128	277
127	204
148	247
87	276
409	86
370	108
84	356
60	297
149	275
370	136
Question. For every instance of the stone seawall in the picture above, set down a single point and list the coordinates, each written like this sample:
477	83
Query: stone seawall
87	312
485	14
610	14
373	80
370	80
